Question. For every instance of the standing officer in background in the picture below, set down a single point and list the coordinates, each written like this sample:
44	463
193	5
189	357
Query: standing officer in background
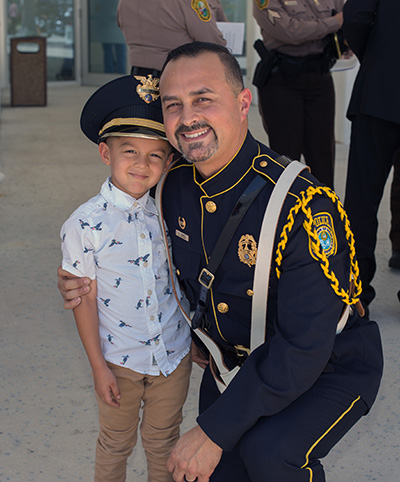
297	100
371	30
153	28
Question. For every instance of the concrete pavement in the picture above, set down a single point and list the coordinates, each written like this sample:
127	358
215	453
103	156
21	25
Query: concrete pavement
48	418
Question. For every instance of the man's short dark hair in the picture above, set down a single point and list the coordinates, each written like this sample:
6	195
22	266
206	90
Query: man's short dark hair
233	72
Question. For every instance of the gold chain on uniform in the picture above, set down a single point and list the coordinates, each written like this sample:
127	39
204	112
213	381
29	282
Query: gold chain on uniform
302	202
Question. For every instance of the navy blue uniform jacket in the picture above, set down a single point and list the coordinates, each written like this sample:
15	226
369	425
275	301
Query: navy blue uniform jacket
303	310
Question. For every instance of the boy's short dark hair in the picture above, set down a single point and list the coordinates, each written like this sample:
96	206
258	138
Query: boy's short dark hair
232	68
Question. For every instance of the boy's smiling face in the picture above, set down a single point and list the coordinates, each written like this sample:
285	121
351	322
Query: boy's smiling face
136	163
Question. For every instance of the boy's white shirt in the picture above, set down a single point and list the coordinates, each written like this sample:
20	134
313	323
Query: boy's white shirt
116	239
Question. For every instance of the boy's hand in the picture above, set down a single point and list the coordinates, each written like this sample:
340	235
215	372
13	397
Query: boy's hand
106	386
198	356
72	288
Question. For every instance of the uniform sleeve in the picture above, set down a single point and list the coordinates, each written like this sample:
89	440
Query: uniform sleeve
358	20
218	11
78	247
298	351
200	22
290	24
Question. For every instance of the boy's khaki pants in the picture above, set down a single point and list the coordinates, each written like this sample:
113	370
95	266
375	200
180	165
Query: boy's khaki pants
163	398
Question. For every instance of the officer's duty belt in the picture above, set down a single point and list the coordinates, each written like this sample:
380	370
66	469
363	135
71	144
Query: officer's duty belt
307	63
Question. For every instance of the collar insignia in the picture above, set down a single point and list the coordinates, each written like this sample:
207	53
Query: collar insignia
247	250
202	9
182	222
323	225
148	90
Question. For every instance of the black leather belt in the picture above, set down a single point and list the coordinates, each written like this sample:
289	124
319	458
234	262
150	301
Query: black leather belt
296	65
145	71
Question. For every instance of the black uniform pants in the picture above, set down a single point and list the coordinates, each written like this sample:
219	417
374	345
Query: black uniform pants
288	446
374	147
299	118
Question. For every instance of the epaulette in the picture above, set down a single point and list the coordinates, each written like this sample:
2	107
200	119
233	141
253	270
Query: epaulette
271	167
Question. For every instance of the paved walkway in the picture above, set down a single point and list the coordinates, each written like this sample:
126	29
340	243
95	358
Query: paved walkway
48	419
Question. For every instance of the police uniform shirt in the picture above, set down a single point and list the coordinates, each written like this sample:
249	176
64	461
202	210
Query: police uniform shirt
116	239
217	11
296	27
303	309
153	28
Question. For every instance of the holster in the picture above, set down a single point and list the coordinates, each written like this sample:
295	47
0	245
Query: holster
265	66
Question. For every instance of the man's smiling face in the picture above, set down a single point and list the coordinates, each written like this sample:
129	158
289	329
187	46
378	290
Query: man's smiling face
204	118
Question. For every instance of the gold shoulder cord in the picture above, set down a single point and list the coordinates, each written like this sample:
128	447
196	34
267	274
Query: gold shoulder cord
302	202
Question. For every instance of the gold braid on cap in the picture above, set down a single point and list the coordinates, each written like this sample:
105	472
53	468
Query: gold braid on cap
305	198
133	121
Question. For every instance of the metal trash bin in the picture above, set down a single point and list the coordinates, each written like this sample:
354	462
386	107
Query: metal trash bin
28	71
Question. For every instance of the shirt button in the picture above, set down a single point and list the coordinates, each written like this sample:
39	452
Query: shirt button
223	308
135	205
142	235
250	292
145	264
149	292
211	206
178	272
152	318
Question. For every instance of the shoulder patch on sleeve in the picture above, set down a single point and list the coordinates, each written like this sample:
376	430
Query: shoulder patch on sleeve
261	4
202	9
323	225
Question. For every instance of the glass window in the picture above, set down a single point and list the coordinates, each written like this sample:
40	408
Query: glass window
107	48
235	10
53	19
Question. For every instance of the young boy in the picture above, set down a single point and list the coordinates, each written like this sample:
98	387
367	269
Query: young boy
135	338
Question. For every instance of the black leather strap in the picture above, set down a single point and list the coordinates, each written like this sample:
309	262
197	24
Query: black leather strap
207	274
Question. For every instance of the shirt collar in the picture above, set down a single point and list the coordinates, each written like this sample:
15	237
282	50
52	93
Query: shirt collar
232	172
124	201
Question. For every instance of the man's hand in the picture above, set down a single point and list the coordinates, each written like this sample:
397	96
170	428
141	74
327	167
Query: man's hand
339	18
106	386
194	457
71	288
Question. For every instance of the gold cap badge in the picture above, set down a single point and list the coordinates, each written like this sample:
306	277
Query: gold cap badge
247	250
148	90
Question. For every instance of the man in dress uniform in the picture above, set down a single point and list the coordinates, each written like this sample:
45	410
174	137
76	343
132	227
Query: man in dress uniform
153	28
297	100
370	28
305	386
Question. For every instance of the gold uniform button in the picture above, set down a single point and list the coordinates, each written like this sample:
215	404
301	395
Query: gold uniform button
263	164
211	206
178	272
223	308
250	292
